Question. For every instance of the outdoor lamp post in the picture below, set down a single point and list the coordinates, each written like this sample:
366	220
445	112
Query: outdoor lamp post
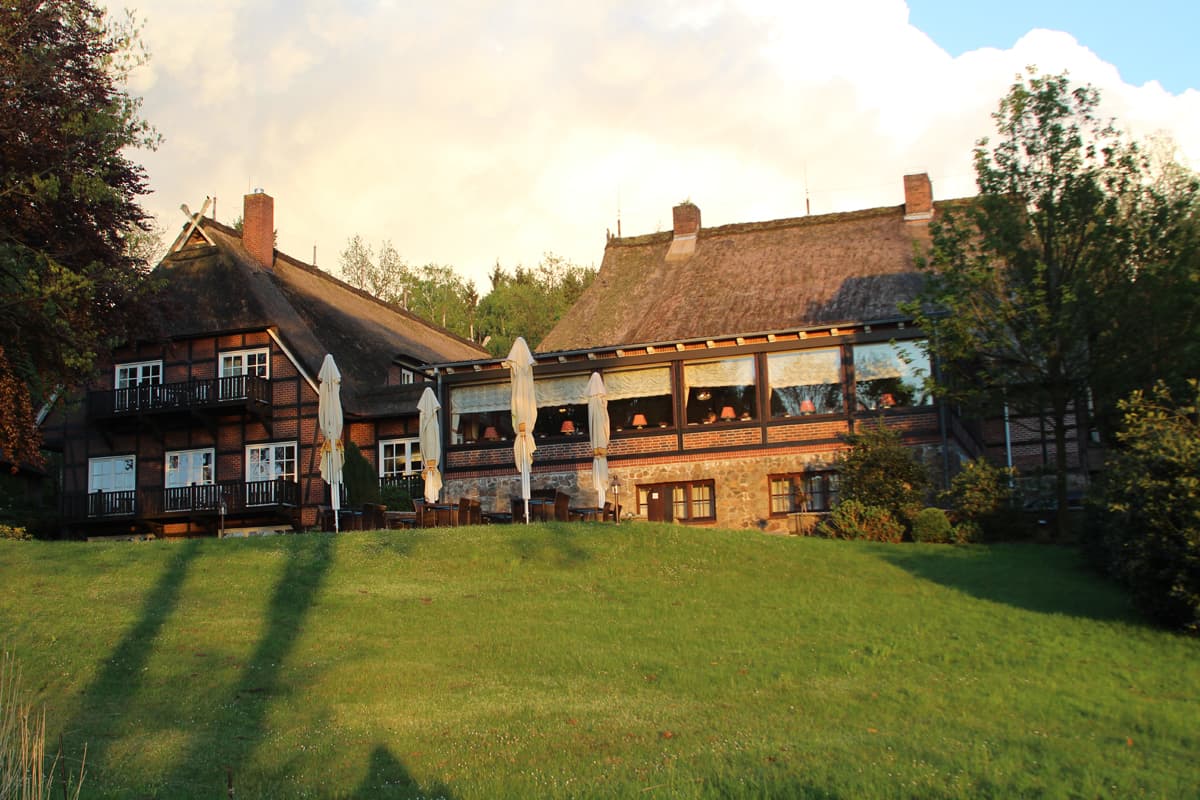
615	484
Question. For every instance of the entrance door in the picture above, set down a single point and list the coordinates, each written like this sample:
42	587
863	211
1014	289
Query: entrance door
658	504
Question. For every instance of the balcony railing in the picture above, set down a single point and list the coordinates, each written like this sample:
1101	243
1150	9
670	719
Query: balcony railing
197	393
238	497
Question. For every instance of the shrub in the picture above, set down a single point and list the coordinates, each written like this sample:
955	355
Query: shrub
14	532
853	519
362	485
878	470
967	532
1150	506
982	500
931	525
396	498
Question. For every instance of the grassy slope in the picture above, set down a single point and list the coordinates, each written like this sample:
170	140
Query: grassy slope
597	661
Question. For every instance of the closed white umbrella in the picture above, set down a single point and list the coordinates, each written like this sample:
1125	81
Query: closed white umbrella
524	412
329	417
597	397
431	444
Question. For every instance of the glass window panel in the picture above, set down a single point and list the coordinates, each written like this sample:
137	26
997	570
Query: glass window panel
644	392
720	391
806	382
112	474
888	375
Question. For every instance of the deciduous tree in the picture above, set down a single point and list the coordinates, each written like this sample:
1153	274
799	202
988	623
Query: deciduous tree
69	279
1016	278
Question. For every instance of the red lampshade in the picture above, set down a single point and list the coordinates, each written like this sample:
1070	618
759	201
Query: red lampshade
807	407
489	433
886	400
639	420
567	427
727	413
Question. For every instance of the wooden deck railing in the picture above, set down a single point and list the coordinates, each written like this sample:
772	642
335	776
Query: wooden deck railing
197	393
238	497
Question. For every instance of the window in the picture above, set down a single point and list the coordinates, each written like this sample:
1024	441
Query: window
189	467
142	373
639	398
562	406
246	362
266	464
691	501
399	457
720	391
186	469
890	374
805	382
407	376
804	491
112	483
481	413
134	382
112	474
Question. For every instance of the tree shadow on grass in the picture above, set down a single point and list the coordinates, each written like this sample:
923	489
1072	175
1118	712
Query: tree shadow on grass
558	537
223	744
106	701
388	777
1033	577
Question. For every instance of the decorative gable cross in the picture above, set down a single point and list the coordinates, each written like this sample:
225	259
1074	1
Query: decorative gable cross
194	226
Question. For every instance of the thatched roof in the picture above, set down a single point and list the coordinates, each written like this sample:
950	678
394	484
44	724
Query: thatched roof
220	288
766	276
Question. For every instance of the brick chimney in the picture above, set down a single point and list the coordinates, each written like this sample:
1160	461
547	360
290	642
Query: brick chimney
258	227
687	228
918	198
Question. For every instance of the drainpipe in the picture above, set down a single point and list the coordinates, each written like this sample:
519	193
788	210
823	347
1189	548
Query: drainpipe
1007	442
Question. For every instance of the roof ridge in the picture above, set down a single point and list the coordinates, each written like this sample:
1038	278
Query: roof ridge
735	228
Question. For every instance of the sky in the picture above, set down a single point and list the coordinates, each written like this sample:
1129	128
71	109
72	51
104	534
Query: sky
470	133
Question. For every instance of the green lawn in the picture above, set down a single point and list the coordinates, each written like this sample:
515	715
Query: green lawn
590	660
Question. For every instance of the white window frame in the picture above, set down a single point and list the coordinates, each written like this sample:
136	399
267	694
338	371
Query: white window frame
410	446
271	446
131	472
140	367
262	371
212	464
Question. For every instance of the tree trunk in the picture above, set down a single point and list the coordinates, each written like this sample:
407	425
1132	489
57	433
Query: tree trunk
1062	522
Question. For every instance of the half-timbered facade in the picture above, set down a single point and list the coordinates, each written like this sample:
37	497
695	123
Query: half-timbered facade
214	426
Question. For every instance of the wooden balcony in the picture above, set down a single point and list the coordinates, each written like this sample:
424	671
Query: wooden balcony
236	391
231	499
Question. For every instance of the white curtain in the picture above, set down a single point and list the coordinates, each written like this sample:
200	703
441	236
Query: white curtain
625	384
727	372
875	361
565	391
805	369
480	399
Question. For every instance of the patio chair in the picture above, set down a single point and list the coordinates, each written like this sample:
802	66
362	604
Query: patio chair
426	517
611	511
464	511
374	516
562	507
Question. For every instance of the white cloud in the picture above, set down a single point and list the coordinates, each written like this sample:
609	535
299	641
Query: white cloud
470	131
